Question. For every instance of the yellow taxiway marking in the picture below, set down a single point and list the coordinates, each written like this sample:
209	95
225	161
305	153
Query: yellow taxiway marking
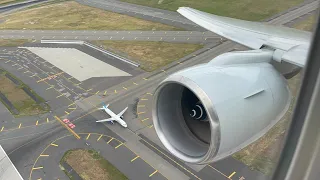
141	105
125	88
77	84
153	173
144	119
145	79
49	77
2	128
71	104
105	92
141	113
88	136
115	91
56	145
70	78
72	108
232	174
67	112
100	137
59	95
89	89
118	145
37	168
218	171
180	62
49	87
135	158
151	126
44	155
109	140
20	125
97	92
47	120
135	83
67	127
26	72
37	123
150	94
142	99
163	70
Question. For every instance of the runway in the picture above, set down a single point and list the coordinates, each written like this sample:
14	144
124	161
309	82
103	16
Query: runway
165	36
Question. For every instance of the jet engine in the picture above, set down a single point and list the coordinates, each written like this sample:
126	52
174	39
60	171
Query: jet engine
207	112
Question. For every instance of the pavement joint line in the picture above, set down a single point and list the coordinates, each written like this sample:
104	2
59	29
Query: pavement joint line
37	123
69	129
59	95
20	125
134	158
2	128
44	155
144	119
35	168
110	140
118	145
52	144
100	137
232	174
88	136
153	173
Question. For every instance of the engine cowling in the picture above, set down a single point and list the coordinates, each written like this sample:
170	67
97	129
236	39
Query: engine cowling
207	112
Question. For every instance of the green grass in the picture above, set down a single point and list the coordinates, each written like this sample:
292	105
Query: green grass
7	2
20	99
306	24
13	42
150	55
82	161
244	9
74	16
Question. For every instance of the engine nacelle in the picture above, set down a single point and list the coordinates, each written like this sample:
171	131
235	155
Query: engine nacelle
205	113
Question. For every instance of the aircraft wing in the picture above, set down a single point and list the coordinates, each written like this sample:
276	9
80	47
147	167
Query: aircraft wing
121	113
292	45
106	120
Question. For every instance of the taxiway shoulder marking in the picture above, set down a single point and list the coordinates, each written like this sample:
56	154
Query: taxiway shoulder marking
125	88
118	146
105	92
153	173
141	105
100	137
47	120
115	91
89	89
37	168
37	123
135	158
232	174
59	95
97	92
144	119
88	136
71	104
142	99
109	140
141	113
56	145
44	155
72	108
150	94
49	87
134	83
2	128
145	79
20	125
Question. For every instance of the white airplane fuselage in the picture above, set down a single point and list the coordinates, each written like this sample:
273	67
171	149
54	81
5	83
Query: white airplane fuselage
116	117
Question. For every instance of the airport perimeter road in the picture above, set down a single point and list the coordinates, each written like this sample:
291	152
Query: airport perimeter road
167	36
144	12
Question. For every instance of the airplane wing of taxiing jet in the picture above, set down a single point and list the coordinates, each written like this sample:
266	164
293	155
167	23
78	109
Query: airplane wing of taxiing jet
290	45
122	112
106	120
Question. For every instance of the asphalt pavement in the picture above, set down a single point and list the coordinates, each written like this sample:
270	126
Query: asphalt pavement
165	36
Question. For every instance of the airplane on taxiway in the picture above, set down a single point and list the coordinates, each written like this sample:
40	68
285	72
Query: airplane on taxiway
114	117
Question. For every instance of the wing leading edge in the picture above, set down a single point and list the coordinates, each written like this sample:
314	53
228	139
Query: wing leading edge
293	45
